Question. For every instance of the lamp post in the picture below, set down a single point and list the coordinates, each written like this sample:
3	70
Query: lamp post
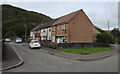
25	32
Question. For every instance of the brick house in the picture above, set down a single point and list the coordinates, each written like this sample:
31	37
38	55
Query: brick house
75	27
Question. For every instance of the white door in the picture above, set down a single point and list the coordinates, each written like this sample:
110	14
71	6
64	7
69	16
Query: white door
58	40
53	38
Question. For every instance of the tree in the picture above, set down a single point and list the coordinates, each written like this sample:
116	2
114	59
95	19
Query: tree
13	21
104	38
115	32
10	33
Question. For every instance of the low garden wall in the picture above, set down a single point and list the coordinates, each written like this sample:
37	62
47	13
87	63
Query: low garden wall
49	44
73	45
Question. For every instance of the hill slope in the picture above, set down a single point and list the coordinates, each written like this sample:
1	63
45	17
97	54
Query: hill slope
14	19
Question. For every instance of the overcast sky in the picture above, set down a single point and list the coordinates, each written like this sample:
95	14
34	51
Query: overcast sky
98	12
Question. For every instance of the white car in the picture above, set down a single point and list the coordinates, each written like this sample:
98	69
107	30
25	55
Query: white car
7	40
18	40
34	44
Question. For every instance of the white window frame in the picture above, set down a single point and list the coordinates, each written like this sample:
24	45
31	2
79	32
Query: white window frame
53	29
64	27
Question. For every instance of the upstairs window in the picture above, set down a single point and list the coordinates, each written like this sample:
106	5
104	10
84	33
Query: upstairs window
53	29
64	27
49	30
58	28
44	30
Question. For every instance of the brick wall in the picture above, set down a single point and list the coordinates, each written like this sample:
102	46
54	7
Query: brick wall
81	29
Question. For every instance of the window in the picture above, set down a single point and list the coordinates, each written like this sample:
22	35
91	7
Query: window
53	29
64	27
49	30
49	38
38	31
58	28
43	30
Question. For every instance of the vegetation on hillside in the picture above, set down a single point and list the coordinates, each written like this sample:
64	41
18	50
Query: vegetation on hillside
14	19
99	29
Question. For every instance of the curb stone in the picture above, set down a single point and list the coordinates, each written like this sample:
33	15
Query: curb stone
16	65
79	59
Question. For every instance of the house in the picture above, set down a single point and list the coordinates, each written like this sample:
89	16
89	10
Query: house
37	34
75	27
43	31
46	30
33	33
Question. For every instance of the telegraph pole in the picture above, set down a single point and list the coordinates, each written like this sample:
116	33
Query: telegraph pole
25	33
108	28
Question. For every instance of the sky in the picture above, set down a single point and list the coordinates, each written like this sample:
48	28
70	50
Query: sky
98	12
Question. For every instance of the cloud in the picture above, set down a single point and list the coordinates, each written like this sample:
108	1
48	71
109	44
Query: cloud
60	0
104	13
99	12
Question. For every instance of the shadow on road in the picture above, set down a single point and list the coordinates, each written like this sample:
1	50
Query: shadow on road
10	58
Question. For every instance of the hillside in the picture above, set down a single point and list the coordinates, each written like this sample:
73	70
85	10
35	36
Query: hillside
14	19
99	29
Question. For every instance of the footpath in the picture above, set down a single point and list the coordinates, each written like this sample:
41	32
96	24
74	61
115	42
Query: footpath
11	58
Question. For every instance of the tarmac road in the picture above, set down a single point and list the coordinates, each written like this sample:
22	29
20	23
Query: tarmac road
39	61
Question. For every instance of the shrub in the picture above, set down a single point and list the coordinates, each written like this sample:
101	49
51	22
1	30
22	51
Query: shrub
104	38
118	41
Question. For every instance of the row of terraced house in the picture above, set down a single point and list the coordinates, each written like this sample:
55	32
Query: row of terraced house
75	27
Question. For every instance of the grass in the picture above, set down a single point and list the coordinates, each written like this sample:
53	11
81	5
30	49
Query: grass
85	50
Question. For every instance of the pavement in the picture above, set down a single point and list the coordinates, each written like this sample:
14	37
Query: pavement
79	57
11	58
36	60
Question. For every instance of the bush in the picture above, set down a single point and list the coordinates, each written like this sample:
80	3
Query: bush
104	38
118	41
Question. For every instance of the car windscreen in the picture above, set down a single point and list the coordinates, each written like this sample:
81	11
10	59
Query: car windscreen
35	41
19	39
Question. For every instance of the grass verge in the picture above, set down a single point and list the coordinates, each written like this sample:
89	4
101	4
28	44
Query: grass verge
85	50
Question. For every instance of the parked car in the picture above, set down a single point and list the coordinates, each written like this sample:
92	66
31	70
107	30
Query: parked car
34	44
7	39
18	40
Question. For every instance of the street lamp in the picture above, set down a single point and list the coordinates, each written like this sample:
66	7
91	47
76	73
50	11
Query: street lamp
25	32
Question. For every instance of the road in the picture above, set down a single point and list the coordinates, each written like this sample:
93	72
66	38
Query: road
36	60
0	54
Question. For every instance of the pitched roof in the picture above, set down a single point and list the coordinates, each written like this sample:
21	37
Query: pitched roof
61	20
44	25
35	28
66	18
